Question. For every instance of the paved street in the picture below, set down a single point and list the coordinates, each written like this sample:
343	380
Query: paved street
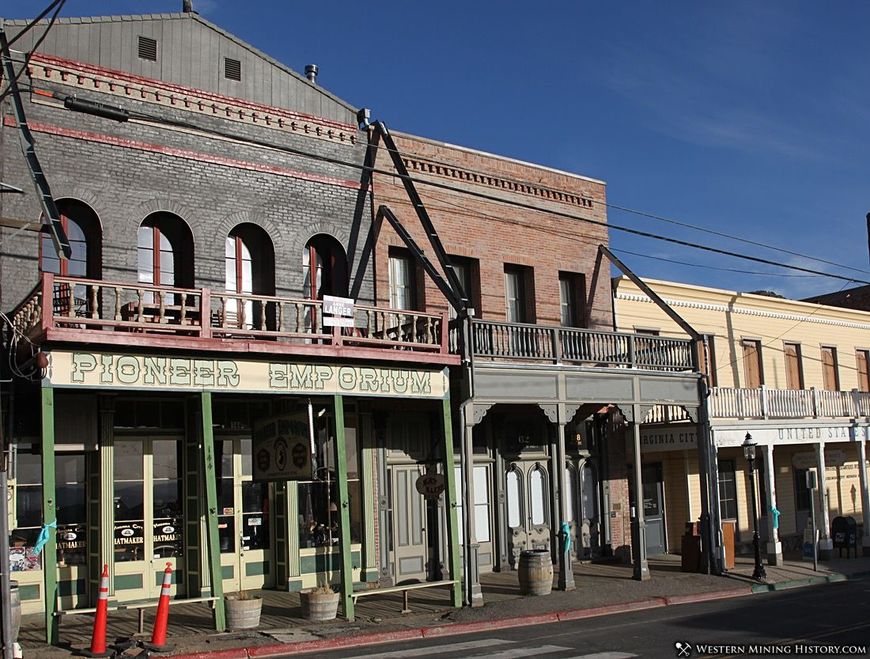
824	615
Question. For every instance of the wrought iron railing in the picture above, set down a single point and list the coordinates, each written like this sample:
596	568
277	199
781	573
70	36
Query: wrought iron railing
66	303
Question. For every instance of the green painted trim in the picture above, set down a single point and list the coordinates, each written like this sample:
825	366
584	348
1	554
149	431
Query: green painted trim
228	571
326	562
128	581
450	504
49	516
256	569
29	592
176	577
294	586
211	520
370	576
344	510
370	507
71	588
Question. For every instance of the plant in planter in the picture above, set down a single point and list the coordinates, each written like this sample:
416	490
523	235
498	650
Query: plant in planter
243	610
319	603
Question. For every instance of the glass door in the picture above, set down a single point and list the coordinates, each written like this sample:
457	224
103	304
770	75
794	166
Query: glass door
148	519
528	515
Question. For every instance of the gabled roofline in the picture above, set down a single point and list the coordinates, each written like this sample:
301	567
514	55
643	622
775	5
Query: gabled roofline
80	20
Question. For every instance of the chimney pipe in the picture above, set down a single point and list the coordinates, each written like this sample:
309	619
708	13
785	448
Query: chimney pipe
187	6
311	73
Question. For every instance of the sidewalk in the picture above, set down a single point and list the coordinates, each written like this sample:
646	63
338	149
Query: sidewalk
601	589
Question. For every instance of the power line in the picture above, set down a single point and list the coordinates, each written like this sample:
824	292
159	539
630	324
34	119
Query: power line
473	193
709	267
28	55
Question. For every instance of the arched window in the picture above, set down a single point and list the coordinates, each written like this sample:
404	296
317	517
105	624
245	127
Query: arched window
538	495
82	228
513	497
324	268
250	269
165	248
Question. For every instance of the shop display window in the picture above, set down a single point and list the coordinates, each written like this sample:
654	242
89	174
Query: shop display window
167	536
71	509
129	502
28	510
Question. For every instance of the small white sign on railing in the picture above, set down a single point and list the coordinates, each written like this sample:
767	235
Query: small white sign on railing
338	306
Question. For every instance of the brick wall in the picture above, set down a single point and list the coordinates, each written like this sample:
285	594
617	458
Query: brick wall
495	232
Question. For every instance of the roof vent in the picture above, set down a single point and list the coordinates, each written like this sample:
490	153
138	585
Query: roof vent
311	72
147	48
232	69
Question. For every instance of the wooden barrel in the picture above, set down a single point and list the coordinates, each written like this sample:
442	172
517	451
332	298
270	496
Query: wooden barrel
536	572
319	606
15	602
243	613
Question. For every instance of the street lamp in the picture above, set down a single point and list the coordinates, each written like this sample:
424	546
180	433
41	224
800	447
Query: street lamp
749	453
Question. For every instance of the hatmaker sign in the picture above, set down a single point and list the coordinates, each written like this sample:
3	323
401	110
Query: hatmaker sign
107	370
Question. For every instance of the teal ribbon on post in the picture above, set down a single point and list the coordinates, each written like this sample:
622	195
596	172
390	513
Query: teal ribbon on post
566	537
44	536
775	512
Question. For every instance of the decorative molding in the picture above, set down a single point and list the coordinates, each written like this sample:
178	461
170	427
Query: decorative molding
552	412
745	311
118	83
425	166
480	410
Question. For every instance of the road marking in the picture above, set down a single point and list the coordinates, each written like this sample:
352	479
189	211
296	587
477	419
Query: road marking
605	655
523	652
437	649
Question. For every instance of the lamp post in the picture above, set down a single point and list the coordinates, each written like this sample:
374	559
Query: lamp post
749	453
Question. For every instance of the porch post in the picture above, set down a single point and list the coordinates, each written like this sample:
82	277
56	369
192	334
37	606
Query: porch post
450	503
774	546
211	513
638	535
826	546
865	495
566	573
344	510
474	595
49	517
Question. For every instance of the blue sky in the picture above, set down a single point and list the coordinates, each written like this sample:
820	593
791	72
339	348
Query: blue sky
748	118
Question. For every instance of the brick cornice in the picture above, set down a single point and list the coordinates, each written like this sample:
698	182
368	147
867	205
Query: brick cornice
183	153
126	85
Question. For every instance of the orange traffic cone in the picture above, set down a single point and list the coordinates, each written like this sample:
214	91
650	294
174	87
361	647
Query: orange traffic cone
98	639
158	638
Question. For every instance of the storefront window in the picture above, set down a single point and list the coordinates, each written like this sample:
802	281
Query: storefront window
255	504
71	509
319	515
129	502
167	517
28	510
225	498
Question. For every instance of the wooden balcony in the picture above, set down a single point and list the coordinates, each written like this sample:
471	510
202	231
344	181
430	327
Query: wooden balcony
764	403
71	310
498	341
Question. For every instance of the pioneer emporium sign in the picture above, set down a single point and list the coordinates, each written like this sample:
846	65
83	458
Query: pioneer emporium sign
131	371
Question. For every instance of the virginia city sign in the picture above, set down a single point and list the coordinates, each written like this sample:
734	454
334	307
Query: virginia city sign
131	371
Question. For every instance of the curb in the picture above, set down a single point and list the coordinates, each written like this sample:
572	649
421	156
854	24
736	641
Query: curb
457	629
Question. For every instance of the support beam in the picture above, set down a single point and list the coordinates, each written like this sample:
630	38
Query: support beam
209	473
566	572
453	559
473	592
826	546
49	517
344	510
774	546
638	525
865	495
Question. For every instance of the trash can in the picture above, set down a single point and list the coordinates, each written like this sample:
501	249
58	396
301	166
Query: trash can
690	552
844	534
15	599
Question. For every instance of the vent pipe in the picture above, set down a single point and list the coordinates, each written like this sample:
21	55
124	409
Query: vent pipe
311	73
187	6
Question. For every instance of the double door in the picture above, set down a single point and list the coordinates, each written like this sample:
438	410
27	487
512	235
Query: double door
527	488
245	530
148	524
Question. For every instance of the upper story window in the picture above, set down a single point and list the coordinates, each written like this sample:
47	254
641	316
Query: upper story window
82	228
468	272
794	369
753	374
830	370
250	269
863	362
324	268
403	280
165	249
572	292
519	294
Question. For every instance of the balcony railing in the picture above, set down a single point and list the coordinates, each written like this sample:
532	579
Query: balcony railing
764	403
568	345
63	306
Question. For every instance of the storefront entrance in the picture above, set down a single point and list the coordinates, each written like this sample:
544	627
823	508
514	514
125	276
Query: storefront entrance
527	488
653	508
408	514
148	530
244	524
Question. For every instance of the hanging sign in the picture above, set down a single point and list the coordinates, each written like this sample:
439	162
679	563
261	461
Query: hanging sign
338	311
430	485
282	449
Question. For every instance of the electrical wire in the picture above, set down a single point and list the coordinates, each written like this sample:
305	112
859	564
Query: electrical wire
60	4
34	21
709	267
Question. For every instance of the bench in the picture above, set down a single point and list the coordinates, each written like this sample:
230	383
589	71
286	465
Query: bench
138	605
404	588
